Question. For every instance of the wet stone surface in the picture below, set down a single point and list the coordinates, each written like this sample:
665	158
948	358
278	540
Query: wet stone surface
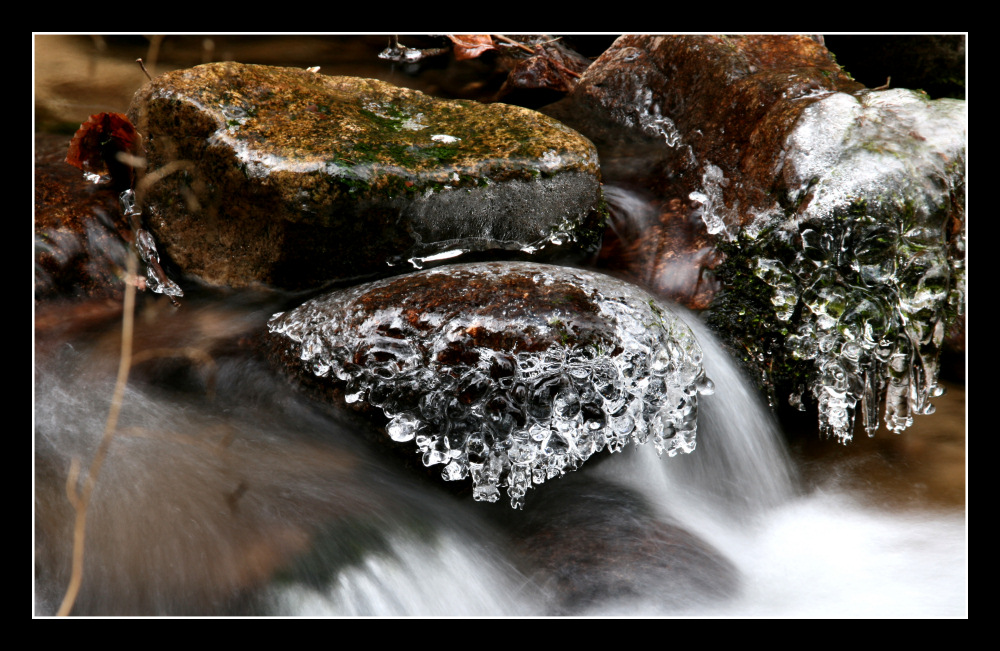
287	177
596	541
80	237
506	373
864	268
712	112
699	121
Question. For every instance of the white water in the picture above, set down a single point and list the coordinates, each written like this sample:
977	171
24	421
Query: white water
826	554
161	539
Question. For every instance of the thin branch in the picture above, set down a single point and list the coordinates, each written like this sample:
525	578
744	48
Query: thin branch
510	41
81	500
144	71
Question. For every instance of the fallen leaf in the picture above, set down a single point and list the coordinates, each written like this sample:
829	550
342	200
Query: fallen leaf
470	46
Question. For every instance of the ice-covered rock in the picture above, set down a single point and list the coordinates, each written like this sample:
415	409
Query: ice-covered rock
866	266
287	177
840	210
506	373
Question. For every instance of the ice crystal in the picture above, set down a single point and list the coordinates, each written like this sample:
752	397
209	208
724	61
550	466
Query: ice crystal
457	379
146	246
870	267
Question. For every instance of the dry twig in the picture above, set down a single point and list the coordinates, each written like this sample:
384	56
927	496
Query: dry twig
80	498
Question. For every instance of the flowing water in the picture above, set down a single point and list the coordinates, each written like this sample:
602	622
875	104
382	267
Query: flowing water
225	492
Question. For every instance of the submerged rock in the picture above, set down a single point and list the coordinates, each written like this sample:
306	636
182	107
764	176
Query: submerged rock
259	174
596	542
508	373
840	210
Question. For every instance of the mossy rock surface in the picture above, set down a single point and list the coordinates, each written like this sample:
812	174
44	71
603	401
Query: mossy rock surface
291	178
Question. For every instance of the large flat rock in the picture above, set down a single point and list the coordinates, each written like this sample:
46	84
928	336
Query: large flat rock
286	177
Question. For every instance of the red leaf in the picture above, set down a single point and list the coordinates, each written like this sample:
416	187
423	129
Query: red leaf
469	46
97	143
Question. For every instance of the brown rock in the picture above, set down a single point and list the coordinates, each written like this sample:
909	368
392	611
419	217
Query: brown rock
707	115
841	210
290	178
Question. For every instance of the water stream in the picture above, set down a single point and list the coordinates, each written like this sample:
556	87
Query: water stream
227	493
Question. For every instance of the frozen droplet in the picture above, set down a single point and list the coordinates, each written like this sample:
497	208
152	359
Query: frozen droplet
403	428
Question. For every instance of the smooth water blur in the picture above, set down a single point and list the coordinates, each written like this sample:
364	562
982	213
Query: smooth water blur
227	493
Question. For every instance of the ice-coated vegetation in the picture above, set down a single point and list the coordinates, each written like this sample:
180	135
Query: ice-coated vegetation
866	268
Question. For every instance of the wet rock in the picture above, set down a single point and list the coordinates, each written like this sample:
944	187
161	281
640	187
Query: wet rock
80	236
858	275
840	210
661	246
707	116
508	373
596	543
711	108
291	178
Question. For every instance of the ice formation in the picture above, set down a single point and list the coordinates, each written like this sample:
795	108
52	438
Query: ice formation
870	268
156	280
506	373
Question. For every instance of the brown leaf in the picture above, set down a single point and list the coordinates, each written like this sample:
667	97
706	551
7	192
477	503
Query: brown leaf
550	67
470	46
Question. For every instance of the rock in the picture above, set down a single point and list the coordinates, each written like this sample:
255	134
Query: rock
80	236
840	210
863	267
598	543
661	246
707	116
290	178
511	373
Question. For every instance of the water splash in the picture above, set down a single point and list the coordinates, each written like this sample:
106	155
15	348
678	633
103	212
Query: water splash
453	577
495	412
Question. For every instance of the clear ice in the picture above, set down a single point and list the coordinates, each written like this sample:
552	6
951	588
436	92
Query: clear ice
156	281
872	261
500	417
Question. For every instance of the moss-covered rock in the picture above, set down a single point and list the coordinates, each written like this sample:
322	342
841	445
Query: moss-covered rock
282	176
845	292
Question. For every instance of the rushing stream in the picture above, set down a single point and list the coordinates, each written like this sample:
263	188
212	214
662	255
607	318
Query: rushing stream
203	499
226	491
